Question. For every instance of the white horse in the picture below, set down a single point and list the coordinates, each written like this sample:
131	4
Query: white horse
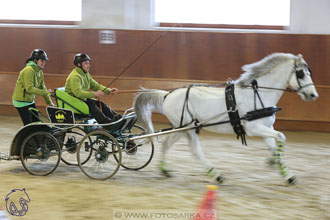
206	105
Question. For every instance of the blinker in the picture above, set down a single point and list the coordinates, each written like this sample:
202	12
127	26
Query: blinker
300	74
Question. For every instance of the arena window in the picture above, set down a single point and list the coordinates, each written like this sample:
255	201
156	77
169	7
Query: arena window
239	14
62	12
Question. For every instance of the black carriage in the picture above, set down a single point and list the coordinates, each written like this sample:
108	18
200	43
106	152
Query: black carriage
74	137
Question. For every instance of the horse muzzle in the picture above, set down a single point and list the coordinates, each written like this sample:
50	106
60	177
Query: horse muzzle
308	96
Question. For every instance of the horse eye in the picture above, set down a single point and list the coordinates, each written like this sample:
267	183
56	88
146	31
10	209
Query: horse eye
300	74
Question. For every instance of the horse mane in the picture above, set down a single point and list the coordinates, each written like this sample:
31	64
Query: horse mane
263	67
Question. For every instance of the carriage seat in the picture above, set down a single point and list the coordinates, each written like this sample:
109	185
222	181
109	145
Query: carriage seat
67	101
81	111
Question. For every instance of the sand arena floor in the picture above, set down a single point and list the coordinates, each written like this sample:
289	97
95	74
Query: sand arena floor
252	190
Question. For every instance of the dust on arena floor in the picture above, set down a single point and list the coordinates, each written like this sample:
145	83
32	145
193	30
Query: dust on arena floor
252	189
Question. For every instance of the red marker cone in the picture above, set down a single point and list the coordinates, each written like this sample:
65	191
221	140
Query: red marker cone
208	209
3	214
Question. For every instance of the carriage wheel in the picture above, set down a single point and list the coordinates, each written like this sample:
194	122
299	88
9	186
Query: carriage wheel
40	153
101	164
71	141
137	154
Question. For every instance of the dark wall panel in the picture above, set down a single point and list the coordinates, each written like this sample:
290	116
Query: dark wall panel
176	55
181	57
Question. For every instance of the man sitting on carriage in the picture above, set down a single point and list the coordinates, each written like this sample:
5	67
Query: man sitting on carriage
78	84
30	83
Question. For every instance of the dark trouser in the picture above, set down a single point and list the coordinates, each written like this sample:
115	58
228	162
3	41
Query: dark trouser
103	115
26	115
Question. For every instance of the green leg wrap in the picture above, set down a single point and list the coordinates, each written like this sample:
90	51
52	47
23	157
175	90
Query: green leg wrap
211	172
162	166
280	160
164	169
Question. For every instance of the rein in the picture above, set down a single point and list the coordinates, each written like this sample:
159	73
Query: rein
271	88
223	85
285	90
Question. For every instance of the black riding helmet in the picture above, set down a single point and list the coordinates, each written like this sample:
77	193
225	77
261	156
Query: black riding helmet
38	54
79	58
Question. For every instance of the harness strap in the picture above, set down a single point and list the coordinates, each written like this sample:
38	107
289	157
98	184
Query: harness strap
233	114
254	84
185	106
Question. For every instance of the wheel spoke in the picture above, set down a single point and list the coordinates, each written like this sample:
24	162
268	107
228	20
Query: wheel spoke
137	154
72	139
100	164
40	153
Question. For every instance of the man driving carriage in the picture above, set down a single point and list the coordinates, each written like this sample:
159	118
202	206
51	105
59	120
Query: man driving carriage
78	84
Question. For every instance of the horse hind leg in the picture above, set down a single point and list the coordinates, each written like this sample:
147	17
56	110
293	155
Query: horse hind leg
199	154
169	141
267	132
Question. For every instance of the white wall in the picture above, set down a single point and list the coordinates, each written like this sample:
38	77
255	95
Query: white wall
116	14
310	16
307	16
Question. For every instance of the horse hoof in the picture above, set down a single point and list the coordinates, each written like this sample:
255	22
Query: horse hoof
292	180
220	179
271	162
166	173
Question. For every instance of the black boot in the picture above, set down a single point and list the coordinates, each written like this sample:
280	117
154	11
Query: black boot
107	120
117	117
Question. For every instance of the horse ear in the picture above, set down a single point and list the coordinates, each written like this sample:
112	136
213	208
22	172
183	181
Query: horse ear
299	58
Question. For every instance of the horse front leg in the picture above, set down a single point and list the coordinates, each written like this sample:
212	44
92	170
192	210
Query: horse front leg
271	144
278	156
291	179
199	153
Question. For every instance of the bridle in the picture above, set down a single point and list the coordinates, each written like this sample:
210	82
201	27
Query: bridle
300	75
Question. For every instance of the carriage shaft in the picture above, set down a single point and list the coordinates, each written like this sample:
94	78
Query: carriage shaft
162	132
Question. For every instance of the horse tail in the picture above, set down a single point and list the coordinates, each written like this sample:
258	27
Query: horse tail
146	101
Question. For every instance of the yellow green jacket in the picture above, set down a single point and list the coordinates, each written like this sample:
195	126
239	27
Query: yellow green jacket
30	82
79	83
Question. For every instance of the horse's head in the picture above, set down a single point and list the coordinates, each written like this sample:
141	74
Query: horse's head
301	80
